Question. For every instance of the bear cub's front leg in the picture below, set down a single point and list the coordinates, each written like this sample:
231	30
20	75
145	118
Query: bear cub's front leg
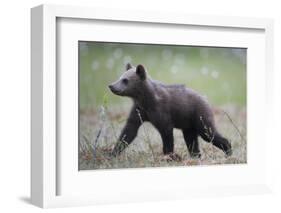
129	131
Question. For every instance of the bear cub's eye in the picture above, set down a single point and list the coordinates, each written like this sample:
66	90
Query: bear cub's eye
125	81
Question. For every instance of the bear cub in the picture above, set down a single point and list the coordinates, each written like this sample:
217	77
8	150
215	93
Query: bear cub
166	107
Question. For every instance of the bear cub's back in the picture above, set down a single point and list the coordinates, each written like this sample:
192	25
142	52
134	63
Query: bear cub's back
183	104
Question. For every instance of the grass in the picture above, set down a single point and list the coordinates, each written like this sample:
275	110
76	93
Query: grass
98	138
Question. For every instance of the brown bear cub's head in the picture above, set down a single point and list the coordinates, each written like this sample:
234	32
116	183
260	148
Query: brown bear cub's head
131	82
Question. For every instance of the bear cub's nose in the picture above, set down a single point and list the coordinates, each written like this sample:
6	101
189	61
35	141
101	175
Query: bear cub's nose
111	87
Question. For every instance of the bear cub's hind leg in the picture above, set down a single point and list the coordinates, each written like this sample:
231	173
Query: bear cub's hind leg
223	144
219	141
191	140
209	133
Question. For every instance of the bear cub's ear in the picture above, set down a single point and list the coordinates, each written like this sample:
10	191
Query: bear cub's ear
128	66
140	70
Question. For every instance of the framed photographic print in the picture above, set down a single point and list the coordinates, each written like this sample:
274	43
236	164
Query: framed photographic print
130	106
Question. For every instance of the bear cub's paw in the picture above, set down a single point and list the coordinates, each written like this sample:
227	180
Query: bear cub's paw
228	153
195	155
171	157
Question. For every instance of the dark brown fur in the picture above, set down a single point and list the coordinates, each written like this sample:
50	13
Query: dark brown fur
166	107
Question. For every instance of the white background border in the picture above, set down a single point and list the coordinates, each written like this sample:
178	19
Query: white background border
164	180
15	114
49	23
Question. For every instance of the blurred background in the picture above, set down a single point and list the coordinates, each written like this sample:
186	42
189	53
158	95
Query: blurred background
218	73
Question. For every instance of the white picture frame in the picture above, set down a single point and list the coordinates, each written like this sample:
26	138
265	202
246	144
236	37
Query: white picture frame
44	154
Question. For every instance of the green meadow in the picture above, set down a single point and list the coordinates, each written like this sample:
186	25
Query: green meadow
218	73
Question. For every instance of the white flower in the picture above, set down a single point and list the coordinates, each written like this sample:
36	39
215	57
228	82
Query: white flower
118	53
204	70
174	69
95	65
180	59
110	63
215	74
167	54
127	59
204	53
